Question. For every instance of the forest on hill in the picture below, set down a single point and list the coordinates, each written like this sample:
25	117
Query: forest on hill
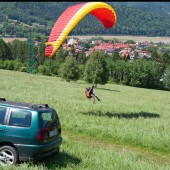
133	18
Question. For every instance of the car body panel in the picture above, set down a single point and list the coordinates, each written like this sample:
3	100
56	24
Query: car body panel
36	152
23	136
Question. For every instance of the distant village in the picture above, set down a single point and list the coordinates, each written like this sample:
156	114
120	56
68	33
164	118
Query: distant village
125	50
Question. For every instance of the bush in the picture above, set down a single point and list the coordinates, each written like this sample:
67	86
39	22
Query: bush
44	70
8	65
1	64
41	69
23	69
17	65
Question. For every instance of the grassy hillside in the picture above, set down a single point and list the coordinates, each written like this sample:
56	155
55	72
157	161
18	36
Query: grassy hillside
162	8
128	129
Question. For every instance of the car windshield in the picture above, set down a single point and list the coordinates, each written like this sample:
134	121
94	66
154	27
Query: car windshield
48	118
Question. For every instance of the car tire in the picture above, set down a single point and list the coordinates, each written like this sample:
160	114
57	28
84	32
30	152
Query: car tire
8	155
57	151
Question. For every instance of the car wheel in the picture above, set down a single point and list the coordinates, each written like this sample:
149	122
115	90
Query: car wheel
8	155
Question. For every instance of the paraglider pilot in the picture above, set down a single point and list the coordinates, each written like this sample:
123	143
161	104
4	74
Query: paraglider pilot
89	93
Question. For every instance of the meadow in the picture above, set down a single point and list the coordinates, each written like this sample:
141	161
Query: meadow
121	38
128	130
129	37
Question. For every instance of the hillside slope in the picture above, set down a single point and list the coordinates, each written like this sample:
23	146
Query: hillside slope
128	128
162	8
133	18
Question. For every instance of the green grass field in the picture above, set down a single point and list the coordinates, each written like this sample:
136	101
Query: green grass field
128	130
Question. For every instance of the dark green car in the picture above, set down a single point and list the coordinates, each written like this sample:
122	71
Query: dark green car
27	131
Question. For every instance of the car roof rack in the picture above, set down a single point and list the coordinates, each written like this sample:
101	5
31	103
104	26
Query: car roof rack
24	105
36	106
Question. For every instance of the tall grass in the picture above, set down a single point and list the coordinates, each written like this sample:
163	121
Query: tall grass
129	117
79	155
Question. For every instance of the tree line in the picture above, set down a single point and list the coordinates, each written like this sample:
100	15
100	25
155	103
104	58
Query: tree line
98	68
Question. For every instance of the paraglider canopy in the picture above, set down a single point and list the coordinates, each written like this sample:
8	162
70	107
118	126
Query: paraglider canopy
71	16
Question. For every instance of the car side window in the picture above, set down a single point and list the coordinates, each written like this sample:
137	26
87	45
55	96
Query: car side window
2	115
20	118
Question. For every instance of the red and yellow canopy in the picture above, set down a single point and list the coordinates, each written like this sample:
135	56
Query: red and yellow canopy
71	16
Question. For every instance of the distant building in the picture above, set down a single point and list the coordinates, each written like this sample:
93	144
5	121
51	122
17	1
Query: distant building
144	53
72	42
13	22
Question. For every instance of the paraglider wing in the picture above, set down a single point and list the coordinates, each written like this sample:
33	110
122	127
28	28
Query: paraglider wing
71	16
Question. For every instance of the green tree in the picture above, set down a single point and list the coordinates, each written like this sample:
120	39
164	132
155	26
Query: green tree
57	60
96	69
18	50
110	68
146	74
81	58
81	70
130	42
5	52
165	58
41	54
140	73
166	80
69	70
118	70
116	56
154	55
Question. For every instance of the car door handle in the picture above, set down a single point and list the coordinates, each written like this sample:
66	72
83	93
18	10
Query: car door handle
1	129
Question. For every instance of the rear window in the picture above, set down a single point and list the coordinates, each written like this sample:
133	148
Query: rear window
20	118
2	115
48	118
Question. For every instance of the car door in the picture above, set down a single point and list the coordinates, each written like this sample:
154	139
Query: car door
19	126
3	111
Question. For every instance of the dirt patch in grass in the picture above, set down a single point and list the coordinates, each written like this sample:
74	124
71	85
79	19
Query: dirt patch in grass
148	155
